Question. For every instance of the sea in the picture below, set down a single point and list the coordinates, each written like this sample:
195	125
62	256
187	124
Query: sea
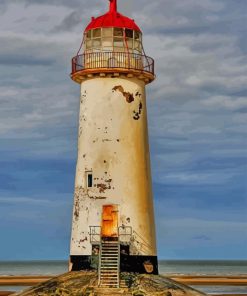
166	267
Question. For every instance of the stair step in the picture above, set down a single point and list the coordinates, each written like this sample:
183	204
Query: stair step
106	274
109	258
104	280
109	265
109	284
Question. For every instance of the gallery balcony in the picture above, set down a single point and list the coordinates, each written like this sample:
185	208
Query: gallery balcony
112	64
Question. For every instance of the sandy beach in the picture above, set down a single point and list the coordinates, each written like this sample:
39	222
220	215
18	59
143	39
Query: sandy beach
185	279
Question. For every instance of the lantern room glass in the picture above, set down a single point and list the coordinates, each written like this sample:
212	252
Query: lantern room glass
113	39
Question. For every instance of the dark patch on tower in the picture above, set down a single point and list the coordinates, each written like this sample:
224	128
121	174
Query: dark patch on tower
128	96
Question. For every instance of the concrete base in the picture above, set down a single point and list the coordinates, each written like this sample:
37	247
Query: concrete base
85	283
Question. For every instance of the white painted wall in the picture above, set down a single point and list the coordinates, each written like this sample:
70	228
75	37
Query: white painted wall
114	146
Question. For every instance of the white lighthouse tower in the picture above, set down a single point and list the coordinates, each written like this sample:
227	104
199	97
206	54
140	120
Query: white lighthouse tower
113	226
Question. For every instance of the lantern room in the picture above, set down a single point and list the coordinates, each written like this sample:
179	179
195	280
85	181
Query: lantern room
112	44
112	32
113	39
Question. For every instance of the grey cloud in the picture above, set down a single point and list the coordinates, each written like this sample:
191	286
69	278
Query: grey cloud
24	200
24	59
19	50
69	22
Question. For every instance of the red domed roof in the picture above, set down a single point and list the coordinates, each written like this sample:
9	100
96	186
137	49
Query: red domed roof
112	19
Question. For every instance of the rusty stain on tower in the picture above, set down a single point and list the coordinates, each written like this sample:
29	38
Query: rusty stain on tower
113	220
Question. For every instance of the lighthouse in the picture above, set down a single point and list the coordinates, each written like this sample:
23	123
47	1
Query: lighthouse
113	228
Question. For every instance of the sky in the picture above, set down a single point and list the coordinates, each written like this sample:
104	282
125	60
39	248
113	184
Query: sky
197	113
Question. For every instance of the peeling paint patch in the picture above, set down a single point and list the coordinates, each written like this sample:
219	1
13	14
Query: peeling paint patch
102	187
83	240
138	94
128	96
137	114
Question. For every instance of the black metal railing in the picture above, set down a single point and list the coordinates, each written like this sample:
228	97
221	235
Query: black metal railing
125	234
95	234
112	60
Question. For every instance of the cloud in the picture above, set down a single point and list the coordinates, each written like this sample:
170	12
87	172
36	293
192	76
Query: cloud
25	200
69	22
230	103
197	177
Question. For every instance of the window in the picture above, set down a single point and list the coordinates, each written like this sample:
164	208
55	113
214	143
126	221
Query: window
88	44
107	42
97	43
107	32
137	35
118	42
129	43
128	33
96	33
89	176
137	45
118	32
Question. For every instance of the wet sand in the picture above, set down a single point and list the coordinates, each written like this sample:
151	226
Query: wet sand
23	280
185	279
211	280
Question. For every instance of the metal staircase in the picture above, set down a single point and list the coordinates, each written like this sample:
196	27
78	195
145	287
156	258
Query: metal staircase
109	264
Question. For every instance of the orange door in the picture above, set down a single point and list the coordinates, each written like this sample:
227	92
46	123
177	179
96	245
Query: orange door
110	221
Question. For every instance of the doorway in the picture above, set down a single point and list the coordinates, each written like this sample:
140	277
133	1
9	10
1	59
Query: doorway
109	221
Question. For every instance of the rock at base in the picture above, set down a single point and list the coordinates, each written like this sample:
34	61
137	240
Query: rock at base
85	283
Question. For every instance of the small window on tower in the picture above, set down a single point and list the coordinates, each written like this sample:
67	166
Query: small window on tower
107	32
89	44
129	43
96	43
96	33
89	34
89	176
118	42
137	35
118	32
128	33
